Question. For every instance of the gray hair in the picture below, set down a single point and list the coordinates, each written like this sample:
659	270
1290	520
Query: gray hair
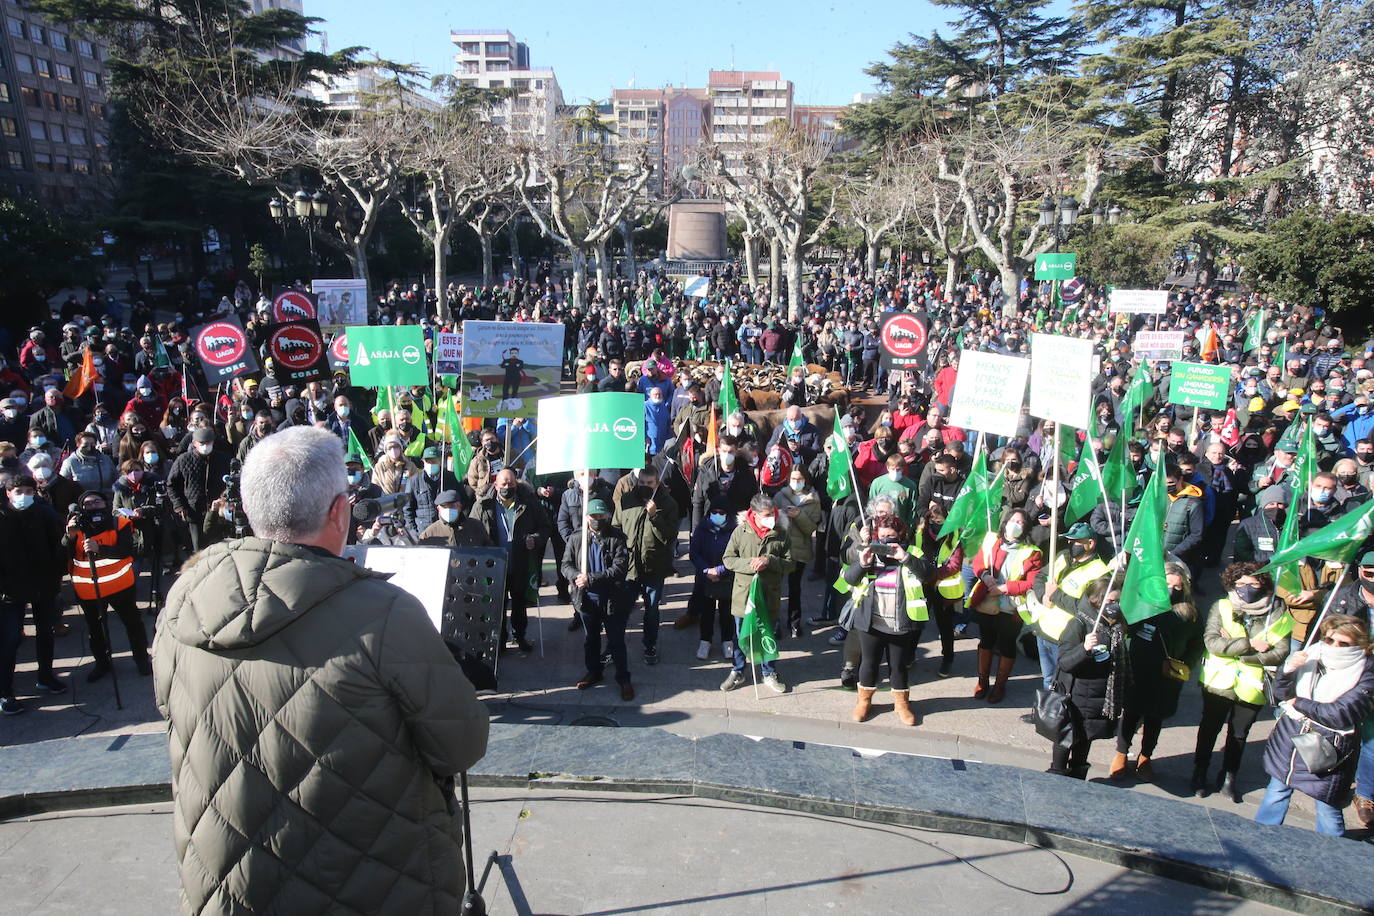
39	460
289	481
761	503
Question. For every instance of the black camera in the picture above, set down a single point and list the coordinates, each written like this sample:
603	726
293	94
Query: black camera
233	495
89	522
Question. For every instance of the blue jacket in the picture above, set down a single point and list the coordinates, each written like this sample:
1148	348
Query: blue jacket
658	420
1357	425
1346	712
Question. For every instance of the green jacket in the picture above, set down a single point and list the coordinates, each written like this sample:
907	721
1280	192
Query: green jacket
652	540
744	546
800	529
902	492
309	701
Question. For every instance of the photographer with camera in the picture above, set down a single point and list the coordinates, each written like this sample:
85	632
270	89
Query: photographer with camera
141	496
100	548
272	647
197	480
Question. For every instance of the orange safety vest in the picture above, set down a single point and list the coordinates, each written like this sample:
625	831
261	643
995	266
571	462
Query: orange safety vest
111	576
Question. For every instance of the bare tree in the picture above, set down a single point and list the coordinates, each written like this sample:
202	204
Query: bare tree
996	169
578	193
937	213
778	176
878	201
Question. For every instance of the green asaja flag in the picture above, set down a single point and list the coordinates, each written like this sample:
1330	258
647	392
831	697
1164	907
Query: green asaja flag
1118	476
838	482
1300	479
1338	542
968	498
1085	486
658	297
1138	393
356	448
461	448
729	402
604	430
756	638
1254	331
797	357
1144	592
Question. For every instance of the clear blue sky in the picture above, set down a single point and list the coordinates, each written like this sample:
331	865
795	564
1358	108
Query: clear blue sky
823	46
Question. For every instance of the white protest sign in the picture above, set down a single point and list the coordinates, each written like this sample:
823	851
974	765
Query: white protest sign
988	392
1146	301
1159	344
448	353
1061	379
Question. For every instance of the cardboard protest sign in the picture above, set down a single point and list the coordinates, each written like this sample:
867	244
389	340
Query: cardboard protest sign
448	353
1159	344
988	392
1061	379
1200	385
591	431
1140	301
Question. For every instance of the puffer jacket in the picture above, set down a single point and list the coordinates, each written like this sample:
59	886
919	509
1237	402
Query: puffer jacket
800	529
744	546
1084	680
315	721
1344	714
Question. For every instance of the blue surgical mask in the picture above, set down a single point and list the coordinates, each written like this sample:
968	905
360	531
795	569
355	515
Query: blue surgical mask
1321	497
21	501
448	515
717	519
355	478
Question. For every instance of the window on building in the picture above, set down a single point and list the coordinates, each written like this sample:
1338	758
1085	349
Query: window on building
16	159
9	127
16	27
71	103
81	166
59	41
30	96
61	164
470	47
498	49
498	66
498	84
56	133
42	162
99	138
36	34
42	67
76	135
106	168
5	92
24	63
90	79
38	130
96	110
64	73
85	48
52	100
469	66
520	84
538	84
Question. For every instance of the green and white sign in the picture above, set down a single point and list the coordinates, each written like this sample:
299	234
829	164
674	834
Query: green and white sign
1200	385
581	431
1056	265
379	356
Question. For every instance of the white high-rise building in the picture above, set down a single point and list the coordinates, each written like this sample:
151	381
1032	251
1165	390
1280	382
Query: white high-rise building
494	59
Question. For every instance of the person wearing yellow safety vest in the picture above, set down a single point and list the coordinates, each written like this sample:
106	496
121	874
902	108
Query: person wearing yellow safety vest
1246	632
886	581
1007	567
945	585
1058	595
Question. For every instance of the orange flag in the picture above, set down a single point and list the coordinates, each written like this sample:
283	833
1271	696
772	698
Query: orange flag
711	433
1210	345
84	377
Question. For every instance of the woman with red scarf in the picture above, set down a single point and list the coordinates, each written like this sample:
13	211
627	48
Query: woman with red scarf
757	550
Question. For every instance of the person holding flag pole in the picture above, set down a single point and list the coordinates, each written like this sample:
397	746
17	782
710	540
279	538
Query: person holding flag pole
759	556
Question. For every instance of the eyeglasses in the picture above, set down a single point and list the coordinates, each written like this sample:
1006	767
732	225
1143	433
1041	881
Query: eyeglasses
1334	641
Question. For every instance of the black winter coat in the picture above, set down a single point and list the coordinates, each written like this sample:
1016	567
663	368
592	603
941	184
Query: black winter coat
615	557
197	480
1345	713
1084	680
1149	692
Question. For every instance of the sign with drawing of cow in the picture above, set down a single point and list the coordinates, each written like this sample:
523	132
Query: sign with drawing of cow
222	348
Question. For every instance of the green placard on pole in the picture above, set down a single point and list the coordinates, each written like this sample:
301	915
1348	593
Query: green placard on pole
591	431
1056	265
379	356
1200	385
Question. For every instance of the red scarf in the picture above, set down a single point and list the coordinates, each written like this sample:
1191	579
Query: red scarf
761	531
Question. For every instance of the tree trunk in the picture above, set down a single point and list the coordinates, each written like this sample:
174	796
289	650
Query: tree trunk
794	283
579	278
441	233
954	266
603	287
751	259
774	271
873	244
513	231
488	263
357	260
627	232
1011	287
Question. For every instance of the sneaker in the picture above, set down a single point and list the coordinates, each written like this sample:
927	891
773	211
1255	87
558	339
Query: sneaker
837	639
523	645
50	684
849	677
945	666
727	651
732	680
9	706
101	668
959	629
651	656
703	649
606	660
772	683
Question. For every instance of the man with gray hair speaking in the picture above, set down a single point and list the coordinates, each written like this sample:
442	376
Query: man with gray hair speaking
316	717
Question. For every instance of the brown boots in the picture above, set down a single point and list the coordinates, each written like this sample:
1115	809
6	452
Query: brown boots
999	689
1118	767
984	669
864	705
901	701
1144	770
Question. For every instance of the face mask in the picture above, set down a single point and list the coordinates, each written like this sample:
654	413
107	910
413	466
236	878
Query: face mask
1364	457
1321	497
768	522
145	392
40	356
735	429
135	476
11	413
1249	593
129	387
449	515
431	469
38	441
1077	550
492	447
247	414
797	485
98	361
43	474
1348	480
97	517
600	524
506	493
87	449
727	460
227	513
355	477
343	411
205	448
894	475
1015	530
21	501
717	519
1176	595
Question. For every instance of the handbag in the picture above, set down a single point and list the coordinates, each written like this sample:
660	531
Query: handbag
1053	715
1174	669
1318	754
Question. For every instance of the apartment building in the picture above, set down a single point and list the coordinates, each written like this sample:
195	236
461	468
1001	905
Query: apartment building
745	106
495	59
366	87
53	132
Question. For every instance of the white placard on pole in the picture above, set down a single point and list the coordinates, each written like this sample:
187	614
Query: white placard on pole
1061	379
1146	301
988	393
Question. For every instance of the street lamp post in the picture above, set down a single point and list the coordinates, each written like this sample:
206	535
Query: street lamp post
310	209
